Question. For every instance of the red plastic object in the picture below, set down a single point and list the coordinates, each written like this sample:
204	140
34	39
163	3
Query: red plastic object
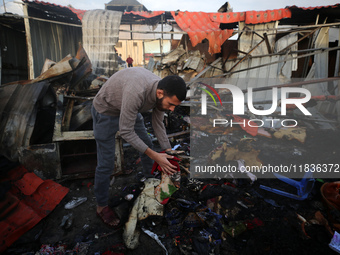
173	161
29	200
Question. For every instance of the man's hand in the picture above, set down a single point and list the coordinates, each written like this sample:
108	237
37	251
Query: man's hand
162	160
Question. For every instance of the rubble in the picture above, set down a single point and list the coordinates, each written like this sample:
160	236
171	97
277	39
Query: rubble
46	126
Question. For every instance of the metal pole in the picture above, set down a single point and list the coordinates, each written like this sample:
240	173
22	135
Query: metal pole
162	18
4	5
0	63
30	61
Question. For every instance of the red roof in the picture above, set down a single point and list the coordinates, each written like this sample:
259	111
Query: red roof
79	13
201	25
314	8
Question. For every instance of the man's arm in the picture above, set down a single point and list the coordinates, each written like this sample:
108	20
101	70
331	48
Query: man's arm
130	105
131	102
160	133
159	129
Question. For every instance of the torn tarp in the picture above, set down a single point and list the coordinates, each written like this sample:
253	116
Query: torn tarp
201	25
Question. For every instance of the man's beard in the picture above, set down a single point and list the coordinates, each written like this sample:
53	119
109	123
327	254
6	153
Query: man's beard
159	104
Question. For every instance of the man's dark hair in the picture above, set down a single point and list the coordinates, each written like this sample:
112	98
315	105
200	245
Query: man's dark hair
173	85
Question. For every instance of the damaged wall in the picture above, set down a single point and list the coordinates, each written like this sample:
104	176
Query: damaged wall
52	41
153	29
49	39
20	105
147	32
254	51
13	51
134	48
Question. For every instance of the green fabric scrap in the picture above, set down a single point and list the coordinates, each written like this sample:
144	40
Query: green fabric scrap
165	195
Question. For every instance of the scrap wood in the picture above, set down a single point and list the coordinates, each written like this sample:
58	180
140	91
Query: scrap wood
175	152
179	133
184	168
62	68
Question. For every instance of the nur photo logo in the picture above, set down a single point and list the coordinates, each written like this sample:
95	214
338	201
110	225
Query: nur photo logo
238	103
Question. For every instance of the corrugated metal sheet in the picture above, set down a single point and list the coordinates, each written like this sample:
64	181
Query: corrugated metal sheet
18	109
260	71
28	109
51	40
277	73
321	69
100	35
